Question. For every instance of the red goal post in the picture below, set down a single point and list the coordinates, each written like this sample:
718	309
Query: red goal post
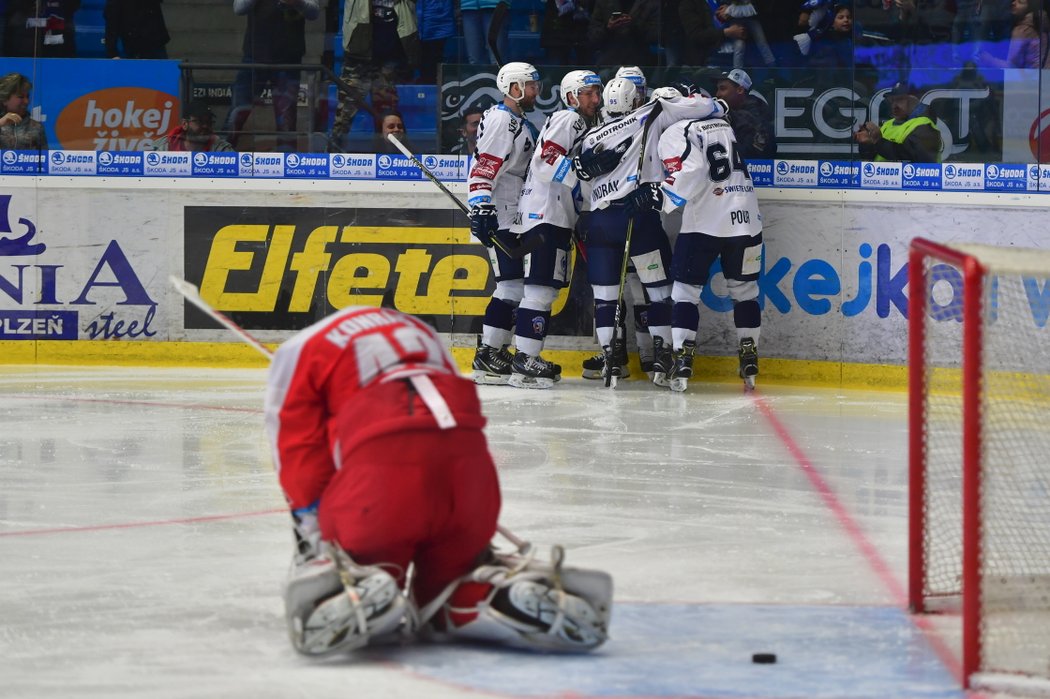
979	453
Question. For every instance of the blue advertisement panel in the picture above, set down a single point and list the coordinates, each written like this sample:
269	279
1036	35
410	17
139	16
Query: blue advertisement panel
122	108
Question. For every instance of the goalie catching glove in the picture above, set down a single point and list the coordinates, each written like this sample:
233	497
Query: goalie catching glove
484	223
647	197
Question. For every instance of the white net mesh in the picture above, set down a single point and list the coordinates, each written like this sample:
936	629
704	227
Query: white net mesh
1015	453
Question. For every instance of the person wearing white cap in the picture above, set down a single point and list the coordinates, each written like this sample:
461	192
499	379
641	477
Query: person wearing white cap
749	116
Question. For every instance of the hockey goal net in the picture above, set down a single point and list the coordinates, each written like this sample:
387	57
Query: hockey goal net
979	413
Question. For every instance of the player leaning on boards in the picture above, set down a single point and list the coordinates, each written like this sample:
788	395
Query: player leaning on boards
547	210
628	199
506	140
380	452
708	179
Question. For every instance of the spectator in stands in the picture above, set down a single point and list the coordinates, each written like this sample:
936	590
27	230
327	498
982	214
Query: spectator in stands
563	34
380	48
468	132
41	28
275	34
135	29
18	130
750	117
1028	38
829	44
621	31
743	12
910	135
477	17
704	35
437	24
390	123
194	132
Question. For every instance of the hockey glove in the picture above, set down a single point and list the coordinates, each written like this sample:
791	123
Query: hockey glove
647	197
591	163
484	223
307	533
724	105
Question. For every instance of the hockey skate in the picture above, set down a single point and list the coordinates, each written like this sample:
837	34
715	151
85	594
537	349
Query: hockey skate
529	371
663	361
748	362
594	367
682	367
492	367
647	365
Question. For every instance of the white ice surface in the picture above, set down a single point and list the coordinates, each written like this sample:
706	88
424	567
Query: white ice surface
143	542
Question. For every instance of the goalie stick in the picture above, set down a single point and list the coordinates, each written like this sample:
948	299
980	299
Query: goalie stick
515	252
192	294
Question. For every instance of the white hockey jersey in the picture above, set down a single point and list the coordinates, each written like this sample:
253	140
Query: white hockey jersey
627	131
708	178
505	145
547	196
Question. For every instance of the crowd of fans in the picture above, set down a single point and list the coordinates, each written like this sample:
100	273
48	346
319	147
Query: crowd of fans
386	43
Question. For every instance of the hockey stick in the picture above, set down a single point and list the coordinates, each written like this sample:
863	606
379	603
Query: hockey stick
516	252
192	294
618	314
499	17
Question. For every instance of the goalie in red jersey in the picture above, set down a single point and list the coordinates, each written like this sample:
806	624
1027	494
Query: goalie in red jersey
380	452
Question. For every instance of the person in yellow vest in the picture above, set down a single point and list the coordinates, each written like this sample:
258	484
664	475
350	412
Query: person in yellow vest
911	134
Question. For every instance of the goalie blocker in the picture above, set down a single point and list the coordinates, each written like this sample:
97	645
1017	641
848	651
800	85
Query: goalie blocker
334	605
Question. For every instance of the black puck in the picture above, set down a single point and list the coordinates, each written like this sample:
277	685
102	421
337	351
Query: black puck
764	658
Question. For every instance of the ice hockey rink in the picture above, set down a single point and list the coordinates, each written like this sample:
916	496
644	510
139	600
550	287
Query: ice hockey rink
144	540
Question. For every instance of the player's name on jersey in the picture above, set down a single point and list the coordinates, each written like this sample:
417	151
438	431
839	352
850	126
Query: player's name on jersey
817	174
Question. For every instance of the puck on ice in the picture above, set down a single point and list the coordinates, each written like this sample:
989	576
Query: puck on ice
764	658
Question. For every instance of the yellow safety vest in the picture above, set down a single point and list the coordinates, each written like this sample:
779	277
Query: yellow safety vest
897	133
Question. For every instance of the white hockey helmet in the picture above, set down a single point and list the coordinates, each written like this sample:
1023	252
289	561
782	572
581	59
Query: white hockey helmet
517	73
620	96
636	76
576	80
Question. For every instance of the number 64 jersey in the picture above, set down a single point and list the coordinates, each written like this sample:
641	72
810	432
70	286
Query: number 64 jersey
707	177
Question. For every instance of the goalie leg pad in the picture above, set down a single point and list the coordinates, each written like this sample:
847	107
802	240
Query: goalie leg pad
538	606
332	604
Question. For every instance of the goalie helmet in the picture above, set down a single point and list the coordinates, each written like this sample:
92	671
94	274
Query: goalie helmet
636	76
515	74
577	80
620	96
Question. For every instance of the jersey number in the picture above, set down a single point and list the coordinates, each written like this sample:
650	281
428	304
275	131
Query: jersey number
722	163
389	347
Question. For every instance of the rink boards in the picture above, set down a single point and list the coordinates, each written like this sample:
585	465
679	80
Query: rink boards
84	267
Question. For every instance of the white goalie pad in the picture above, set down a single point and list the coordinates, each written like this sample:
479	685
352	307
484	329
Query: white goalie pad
332	604
536	605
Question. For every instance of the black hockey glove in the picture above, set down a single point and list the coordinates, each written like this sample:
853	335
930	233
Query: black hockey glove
307	534
591	163
724	105
484	223
647	197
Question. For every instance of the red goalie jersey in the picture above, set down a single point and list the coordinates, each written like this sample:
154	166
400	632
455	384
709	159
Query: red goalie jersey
369	419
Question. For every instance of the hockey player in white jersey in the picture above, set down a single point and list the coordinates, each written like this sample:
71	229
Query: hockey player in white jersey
594	367
709	181
630	196
506	141
547	211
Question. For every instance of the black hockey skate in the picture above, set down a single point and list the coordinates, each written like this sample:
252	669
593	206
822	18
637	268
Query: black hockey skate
529	371
492	367
682	368
663	361
748	362
594	367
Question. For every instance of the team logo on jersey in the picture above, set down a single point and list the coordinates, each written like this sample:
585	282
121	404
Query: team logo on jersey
486	166
550	152
673	165
718	191
538	325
